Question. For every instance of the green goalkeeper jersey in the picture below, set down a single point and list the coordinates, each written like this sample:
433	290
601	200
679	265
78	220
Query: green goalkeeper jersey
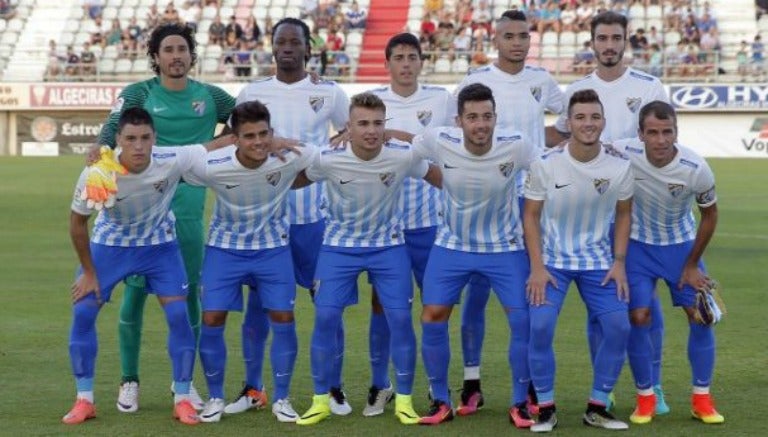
181	117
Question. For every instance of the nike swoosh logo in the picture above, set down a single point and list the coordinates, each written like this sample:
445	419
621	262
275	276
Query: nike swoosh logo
120	199
639	179
229	187
208	416
124	405
280	375
558	186
309	416
343	182
449	166
156	109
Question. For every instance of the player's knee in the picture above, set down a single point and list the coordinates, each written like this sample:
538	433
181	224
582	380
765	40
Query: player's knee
214	318
435	313
640	316
281	316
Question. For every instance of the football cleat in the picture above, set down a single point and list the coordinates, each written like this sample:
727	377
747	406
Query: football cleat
213	410
520	417
80	412
599	417
645	409
438	413
185	412
339	404
404	410
547	420
283	411
661	403
703	408
377	400
471	402
128	397
249	398
320	410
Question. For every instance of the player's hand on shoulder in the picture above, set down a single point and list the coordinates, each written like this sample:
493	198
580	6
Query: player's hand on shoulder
101	180
339	140
280	146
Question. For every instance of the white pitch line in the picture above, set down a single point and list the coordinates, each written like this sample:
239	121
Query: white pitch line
745	236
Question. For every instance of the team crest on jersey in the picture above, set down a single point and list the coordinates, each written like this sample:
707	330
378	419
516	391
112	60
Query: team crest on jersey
316	102
675	189
601	185
424	116
199	107
506	168
387	178
274	178
161	186
536	93
633	104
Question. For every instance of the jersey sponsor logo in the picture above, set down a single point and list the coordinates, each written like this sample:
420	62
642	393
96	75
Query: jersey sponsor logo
688	163
424	116
397	146
117	106
675	189
316	102
506	168
220	160
163	155
601	185
695	97
199	107
274	178
445	136
161	186
706	197
641	76
613	151
387	178
536	93
634	150
505	139
633	104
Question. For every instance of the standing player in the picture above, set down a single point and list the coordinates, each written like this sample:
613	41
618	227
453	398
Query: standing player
184	112
304	110
134	236
480	235
411	107
527	92
666	244
364	233
623	91
579	187
248	244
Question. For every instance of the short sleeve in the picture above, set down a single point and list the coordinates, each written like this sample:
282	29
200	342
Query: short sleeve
555	99
425	144
535	182
315	171
79	205
627	184
308	154
193	164
704	186
340	114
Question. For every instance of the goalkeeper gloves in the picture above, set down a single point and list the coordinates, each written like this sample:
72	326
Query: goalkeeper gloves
101	181
710	307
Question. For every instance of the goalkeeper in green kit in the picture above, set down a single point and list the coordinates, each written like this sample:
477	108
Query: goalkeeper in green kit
184	111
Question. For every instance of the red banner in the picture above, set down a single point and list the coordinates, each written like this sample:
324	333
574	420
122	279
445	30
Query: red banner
73	95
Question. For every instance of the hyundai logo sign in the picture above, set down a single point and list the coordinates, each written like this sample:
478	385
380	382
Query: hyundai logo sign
695	97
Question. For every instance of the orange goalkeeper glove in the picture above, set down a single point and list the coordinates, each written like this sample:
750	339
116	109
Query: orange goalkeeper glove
101	182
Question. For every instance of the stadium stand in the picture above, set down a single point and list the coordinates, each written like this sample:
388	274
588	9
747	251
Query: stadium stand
448	28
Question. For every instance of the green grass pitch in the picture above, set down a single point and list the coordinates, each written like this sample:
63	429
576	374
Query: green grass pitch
37	266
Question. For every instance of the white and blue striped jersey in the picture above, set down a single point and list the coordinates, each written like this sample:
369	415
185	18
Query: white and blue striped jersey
479	210
141	215
364	196
662	212
429	106
622	100
249	213
579	205
521	99
303	111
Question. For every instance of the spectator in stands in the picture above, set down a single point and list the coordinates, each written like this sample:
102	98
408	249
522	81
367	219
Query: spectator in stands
444	39
742	60
263	59
153	17
481	17
268	25
190	14
568	18
135	32
479	58
639	44
308	8
758	58
216	31
87	60
710	47
322	16
690	30
341	65
234	26
549	18
334	41
355	17
242	57
656	61
114	34
319	50
7	10
584	13
462	42
761	8
251	32
170	15
73	62
706	22
55	61
480	37
584	59
93	8
654	37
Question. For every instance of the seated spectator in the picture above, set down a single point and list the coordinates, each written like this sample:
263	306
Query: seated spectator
433	5
690	30
464	12
216	31
444	39
568	18
73	62
341	64
135	32
462	42
761	8
654	37
55	60
584	13
251	32
334	41
710	46
481	17
153	17
268	25
322	16
480	37
549	18
242	57
263	59
115	34
93	8
705	23
639	44
7	10
98	30
758	58
584	59
742	60
170	15
656	61
355	17
234	26
190	14
319	50
87	60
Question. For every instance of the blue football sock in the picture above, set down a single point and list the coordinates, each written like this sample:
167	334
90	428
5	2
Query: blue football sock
657	340
83	343
403	346
639	351
436	354
473	319
181	341
283	356
255	330
519	323
594	337
338	357
378	349
323	348
213	356
541	353
612	350
701	354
